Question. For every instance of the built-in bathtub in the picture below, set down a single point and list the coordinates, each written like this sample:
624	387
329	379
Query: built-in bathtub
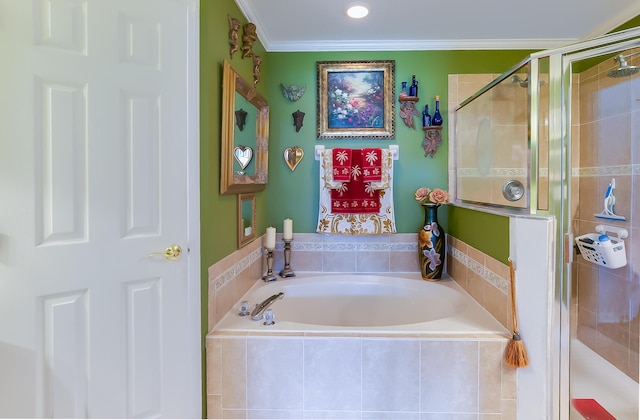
360	346
369	303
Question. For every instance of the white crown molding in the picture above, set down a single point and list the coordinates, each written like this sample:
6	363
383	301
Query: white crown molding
418	45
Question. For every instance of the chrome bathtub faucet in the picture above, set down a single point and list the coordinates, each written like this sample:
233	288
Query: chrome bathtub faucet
258	311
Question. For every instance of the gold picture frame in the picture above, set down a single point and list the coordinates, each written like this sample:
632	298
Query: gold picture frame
356	99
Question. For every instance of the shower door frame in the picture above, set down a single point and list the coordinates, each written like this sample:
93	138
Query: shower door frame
560	172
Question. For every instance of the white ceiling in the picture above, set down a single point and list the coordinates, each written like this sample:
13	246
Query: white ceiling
322	25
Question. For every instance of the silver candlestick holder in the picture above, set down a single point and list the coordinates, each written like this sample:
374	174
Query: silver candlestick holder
269	276
287	271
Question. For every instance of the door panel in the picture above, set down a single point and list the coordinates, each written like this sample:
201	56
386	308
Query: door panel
93	183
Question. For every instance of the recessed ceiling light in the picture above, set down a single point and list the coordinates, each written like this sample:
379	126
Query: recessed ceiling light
357	10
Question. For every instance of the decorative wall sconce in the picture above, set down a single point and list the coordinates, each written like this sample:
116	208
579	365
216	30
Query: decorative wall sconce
432	139
234	26
298	118
257	60
408	110
248	38
293	92
293	156
241	118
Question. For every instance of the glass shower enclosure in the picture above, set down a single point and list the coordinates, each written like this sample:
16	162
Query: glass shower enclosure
558	135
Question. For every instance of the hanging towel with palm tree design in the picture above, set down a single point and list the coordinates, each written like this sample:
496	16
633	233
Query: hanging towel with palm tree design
357	195
354	217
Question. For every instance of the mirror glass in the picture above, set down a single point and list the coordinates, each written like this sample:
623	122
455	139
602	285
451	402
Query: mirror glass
246	219
245	135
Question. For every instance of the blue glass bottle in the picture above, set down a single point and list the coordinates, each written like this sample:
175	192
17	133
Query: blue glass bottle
426	117
437	118
404	93
413	89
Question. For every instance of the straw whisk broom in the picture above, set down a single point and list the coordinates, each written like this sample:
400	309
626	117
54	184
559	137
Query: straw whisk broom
515	354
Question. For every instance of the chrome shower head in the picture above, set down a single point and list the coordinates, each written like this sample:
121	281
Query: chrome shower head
523	82
624	69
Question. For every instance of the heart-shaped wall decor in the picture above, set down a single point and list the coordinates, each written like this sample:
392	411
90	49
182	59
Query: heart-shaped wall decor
243	155
293	156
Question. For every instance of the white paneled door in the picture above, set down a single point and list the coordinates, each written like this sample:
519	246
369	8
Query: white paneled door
99	309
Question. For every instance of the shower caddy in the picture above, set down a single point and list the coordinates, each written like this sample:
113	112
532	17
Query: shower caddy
603	250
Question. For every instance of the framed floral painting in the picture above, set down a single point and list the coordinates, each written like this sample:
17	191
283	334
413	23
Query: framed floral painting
356	99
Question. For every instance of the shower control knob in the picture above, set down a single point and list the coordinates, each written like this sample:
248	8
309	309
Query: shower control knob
513	190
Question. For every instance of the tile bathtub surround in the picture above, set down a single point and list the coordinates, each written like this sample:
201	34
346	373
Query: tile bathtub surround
312	376
395	253
298	376
483	277
232	277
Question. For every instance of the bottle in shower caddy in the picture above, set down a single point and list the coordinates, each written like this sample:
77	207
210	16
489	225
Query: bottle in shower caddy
604	240
437	118
413	89
426	117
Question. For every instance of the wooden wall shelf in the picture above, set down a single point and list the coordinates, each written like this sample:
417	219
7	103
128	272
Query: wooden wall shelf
408	109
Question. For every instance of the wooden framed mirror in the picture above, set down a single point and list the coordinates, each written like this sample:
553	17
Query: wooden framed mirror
246	218
245	135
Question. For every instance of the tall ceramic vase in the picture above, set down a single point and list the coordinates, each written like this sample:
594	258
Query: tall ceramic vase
431	244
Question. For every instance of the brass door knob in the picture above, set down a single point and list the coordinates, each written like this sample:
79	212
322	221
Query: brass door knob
172	253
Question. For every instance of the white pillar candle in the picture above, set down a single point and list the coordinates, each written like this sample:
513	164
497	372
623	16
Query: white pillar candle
270	243
287	231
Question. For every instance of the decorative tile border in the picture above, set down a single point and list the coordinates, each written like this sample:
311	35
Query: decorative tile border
475	172
544	172
607	170
383	246
480	269
315	242
379	243
342	246
230	274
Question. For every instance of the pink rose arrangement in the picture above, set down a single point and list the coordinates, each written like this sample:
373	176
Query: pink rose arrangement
435	196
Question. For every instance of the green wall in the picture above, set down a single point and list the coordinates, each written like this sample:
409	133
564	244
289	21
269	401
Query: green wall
218	212
484	231
295	194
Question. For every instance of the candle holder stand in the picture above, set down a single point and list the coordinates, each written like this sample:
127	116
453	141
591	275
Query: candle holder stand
269	276
287	271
